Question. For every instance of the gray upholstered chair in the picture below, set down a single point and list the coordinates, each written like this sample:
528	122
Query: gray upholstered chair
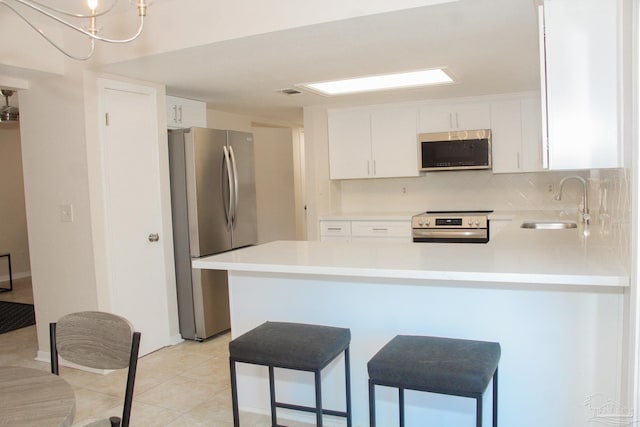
101	341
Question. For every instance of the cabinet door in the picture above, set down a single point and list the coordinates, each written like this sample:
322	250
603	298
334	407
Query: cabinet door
381	229
581	58
472	116
463	116
349	144
531	159
335	230
506	136
185	113
394	142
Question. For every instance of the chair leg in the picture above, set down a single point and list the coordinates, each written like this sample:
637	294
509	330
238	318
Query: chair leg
234	393
347	374
318	380
401	405
372	404
272	397
495	398
479	411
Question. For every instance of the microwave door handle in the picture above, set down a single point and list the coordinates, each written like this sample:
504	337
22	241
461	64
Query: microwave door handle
234	216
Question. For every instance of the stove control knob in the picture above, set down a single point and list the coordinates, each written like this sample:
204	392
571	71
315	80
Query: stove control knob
428	222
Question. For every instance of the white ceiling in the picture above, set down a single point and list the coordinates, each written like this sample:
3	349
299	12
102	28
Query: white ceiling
489	46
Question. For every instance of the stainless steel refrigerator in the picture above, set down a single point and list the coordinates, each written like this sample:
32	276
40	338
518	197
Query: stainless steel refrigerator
213	199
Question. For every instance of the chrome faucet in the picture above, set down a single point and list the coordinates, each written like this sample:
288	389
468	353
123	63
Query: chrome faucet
585	195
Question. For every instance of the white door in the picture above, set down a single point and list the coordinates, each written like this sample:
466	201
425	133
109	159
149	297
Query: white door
136	270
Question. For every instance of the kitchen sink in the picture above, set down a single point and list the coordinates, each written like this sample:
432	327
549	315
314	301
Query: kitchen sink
549	225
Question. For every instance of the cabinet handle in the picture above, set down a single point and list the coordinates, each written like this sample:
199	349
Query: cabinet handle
368	167
334	228
374	168
180	110
175	114
380	229
457	123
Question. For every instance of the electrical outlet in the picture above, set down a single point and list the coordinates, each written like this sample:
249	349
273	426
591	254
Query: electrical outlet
404	190
66	213
550	188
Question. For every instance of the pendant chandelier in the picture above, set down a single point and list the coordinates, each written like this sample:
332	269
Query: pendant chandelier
75	21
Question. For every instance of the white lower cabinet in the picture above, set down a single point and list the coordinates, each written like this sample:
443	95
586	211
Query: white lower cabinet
335	230
365	230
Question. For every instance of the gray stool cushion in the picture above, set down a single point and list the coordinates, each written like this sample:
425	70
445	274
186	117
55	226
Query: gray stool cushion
290	345
438	365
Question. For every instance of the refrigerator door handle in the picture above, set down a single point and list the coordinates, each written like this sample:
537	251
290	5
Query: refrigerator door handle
234	216
226	163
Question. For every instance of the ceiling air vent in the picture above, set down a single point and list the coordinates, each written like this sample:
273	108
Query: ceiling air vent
290	91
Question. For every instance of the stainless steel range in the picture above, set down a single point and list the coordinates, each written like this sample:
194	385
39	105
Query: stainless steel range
451	226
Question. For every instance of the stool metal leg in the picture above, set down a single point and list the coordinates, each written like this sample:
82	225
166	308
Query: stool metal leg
272	394
401	405
347	371
234	393
495	398
479	411
372	404
318	380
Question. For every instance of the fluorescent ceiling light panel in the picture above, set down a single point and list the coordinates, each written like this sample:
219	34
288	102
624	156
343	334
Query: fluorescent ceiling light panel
383	82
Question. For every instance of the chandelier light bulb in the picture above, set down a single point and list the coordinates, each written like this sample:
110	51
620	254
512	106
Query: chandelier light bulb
93	5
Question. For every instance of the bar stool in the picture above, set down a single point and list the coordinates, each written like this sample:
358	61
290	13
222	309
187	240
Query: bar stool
293	346
436	365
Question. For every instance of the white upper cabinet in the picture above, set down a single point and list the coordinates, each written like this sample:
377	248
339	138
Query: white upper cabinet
373	142
581	76
462	116
394	142
185	113
515	134
349	144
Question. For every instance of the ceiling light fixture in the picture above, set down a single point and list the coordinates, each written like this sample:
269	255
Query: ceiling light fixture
73	21
382	82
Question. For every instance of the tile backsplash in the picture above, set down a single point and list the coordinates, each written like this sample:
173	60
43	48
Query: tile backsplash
469	190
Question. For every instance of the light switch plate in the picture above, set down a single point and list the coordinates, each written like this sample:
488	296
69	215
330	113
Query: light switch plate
66	213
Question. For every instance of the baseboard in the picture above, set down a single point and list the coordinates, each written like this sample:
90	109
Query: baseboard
176	339
45	356
15	276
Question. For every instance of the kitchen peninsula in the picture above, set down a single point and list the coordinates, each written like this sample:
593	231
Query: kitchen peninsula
552	298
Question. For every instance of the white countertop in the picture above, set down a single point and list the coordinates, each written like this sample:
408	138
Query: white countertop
513	255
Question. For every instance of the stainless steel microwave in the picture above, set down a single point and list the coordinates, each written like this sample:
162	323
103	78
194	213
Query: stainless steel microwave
456	150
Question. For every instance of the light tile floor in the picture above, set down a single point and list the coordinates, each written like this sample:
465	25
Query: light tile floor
182	385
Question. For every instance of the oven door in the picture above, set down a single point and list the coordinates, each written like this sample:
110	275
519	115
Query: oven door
450	235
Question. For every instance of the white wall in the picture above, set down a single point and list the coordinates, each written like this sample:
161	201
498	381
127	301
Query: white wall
54	156
13	217
275	194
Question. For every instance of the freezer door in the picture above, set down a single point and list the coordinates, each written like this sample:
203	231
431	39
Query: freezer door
245	218
208	192
210	303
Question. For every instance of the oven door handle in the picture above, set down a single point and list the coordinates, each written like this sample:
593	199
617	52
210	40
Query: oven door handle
450	233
